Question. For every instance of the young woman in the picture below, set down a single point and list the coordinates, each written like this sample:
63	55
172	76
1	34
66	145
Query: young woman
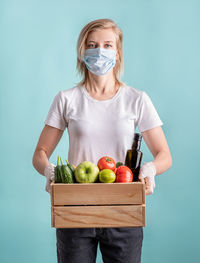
101	114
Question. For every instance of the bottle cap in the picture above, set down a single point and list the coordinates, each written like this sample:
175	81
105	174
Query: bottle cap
138	136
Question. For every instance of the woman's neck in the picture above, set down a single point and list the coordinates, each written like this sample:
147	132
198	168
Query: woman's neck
101	85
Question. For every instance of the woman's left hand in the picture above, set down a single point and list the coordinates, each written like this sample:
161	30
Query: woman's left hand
146	175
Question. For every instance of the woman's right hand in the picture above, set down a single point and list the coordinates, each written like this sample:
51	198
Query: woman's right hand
49	172
48	140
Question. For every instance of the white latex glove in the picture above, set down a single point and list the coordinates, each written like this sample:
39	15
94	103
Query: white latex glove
50	176
147	174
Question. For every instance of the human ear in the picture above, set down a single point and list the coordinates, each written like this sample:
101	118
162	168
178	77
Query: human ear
117	55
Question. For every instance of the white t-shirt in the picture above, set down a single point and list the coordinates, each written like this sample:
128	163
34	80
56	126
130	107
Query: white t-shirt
100	128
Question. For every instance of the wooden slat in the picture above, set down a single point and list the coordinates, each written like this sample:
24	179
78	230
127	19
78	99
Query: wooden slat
143	194
52	217
99	216
52	201
98	194
51	193
144	214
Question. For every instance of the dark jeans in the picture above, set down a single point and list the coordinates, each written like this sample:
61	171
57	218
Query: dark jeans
117	245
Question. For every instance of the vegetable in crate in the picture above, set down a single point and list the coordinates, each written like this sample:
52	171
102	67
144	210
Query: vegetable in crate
107	176
67	173
106	162
124	174
71	167
58	178
118	164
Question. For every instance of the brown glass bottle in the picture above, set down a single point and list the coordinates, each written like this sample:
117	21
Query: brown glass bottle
134	157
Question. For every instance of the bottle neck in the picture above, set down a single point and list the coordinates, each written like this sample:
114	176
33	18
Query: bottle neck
136	145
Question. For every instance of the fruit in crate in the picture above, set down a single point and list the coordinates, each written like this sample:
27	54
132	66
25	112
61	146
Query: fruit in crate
106	162
107	176
124	174
86	172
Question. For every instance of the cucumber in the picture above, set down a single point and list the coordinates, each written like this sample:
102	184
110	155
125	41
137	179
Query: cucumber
118	164
58	172
66	174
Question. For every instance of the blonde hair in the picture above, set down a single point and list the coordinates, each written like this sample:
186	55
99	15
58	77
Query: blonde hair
81	46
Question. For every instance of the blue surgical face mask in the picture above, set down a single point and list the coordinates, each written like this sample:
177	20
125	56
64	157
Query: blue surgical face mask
99	60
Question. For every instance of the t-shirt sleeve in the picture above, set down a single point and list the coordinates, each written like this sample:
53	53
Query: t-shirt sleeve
148	117
55	116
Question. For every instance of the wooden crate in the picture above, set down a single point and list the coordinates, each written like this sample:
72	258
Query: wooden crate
98	205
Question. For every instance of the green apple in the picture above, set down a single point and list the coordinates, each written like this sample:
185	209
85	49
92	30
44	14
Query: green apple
86	172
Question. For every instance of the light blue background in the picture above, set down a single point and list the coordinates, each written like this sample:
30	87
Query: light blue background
38	58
